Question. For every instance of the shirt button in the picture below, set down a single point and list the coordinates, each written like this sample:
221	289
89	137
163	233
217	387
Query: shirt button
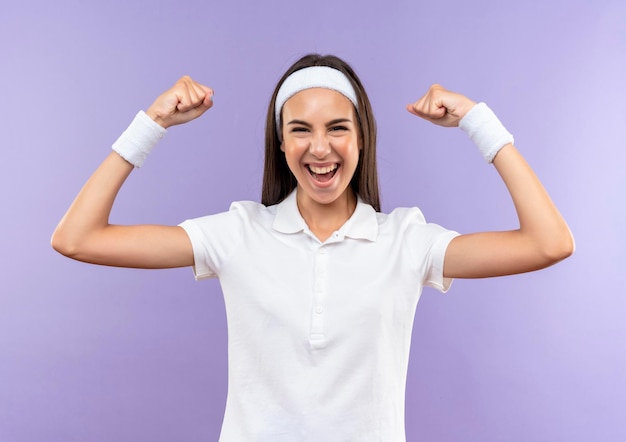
319	309
322	250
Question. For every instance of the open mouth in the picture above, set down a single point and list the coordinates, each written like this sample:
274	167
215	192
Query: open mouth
323	174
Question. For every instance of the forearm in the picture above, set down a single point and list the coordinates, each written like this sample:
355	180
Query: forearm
541	226
89	213
542	239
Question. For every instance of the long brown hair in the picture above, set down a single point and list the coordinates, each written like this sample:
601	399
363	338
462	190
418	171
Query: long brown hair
279	182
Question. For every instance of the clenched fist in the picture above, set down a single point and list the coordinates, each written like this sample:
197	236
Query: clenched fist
441	106
185	101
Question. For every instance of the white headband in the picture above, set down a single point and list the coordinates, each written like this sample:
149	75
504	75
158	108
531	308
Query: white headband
311	77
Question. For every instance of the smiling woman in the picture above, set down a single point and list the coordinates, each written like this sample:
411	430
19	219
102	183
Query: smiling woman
321	147
343	279
331	73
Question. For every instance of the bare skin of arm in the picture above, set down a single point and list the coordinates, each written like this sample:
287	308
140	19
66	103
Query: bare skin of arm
85	233
543	237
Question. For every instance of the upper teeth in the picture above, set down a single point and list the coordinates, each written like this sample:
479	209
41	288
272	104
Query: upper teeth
322	170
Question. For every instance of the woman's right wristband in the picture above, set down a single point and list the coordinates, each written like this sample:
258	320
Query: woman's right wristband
138	140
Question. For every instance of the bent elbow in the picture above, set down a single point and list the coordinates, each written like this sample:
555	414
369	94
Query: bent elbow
58	245
560	249
63	245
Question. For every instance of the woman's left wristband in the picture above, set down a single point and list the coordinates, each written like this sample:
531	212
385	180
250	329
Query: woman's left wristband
485	130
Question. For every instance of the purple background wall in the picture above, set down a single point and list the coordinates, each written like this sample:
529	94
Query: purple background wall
101	354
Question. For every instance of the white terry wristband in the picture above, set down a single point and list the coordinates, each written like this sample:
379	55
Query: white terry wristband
485	130
139	139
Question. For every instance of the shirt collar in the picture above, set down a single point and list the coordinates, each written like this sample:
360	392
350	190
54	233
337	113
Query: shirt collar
363	224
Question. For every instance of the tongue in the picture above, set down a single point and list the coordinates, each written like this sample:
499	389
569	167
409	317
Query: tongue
324	177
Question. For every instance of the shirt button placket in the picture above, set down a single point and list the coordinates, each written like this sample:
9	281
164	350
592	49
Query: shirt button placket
320	287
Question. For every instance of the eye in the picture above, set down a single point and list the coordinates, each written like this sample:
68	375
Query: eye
337	128
299	129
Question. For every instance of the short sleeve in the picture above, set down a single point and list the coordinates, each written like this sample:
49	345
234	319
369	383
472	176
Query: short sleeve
202	268
213	239
434	277
427	243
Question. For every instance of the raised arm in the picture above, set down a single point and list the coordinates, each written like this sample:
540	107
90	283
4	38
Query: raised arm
543	237
85	233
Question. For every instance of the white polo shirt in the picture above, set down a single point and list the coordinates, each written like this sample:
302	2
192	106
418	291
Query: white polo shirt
318	333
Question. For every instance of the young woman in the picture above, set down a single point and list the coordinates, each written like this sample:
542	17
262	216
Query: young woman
320	287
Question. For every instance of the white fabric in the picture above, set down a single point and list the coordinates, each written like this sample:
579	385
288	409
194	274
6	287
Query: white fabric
485	130
319	333
138	140
311	77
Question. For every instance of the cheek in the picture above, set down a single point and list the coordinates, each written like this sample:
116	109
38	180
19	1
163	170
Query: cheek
350	150
295	147
293	155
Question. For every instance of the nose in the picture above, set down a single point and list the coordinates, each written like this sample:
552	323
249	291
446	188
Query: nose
320	146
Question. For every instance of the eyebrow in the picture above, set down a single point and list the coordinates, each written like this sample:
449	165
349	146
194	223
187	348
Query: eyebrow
330	123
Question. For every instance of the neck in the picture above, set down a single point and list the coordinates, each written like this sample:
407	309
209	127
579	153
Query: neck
324	219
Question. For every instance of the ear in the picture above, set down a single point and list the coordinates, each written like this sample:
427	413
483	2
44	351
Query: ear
282	146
